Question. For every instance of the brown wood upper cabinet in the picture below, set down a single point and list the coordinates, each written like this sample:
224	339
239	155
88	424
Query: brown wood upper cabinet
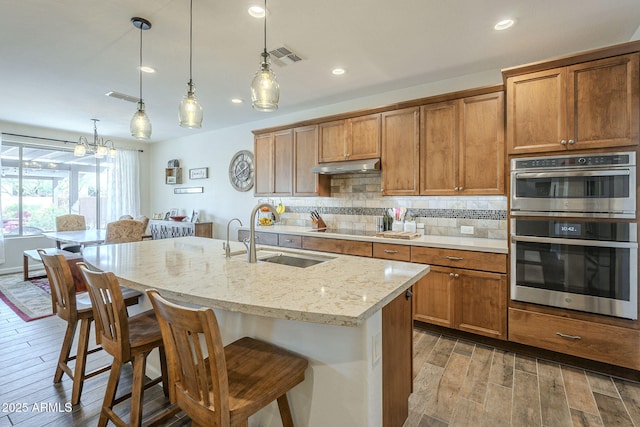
587	105
273	163
462	146
400	148
305	156
350	139
283	162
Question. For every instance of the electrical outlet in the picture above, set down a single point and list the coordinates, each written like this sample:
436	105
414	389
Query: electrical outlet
466	229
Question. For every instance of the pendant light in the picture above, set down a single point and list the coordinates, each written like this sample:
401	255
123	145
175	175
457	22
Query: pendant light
190	110
265	91
140	124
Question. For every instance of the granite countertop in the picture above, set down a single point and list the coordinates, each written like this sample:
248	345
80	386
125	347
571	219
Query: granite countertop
345	290
447	242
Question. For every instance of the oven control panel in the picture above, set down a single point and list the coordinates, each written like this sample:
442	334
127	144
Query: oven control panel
618	159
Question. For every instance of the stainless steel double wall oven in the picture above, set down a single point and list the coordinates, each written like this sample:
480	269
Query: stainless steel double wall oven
574	238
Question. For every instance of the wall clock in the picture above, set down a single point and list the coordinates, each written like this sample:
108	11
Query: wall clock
241	171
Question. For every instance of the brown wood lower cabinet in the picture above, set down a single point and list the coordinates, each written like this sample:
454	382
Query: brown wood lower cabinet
338	246
397	360
472	299
262	237
595	341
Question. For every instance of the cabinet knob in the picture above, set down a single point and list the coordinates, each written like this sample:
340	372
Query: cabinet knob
456	275
563	142
461	188
408	294
455	188
571	142
450	274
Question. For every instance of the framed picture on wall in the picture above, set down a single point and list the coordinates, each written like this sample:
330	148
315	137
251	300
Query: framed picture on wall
199	173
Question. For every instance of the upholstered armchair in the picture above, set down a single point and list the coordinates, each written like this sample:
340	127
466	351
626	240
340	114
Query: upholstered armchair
70	222
144	220
124	230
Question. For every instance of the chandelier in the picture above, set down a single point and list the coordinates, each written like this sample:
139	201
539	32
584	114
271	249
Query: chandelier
99	147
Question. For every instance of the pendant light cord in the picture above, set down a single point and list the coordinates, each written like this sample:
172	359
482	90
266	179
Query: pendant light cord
191	43
140	67
265	27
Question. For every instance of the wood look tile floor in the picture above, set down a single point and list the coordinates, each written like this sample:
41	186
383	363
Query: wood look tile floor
457	383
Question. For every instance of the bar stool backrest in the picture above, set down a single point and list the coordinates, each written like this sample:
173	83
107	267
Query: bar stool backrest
63	292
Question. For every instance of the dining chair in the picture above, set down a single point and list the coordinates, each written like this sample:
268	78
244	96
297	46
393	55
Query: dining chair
125	217
124	230
127	339
222	385
74	308
70	222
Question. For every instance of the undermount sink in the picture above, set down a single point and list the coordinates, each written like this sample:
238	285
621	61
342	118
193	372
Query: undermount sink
301	261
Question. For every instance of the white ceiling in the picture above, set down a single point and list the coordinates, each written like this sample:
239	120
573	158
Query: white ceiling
58	59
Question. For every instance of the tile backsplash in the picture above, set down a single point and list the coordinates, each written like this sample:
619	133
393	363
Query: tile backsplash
356	201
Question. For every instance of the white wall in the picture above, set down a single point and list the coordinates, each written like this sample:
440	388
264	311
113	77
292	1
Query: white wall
16	245
220	202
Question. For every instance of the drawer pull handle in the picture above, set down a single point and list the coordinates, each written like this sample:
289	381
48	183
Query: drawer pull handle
571	337
288	240
454	258
390	251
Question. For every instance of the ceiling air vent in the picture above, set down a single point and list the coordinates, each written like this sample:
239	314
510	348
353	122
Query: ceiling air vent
122	96
283	56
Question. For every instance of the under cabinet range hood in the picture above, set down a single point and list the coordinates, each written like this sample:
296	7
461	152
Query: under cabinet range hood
350	166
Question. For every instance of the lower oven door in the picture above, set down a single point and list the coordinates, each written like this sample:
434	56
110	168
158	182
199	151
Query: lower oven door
587	275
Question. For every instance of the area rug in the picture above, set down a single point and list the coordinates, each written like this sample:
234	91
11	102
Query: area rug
30	299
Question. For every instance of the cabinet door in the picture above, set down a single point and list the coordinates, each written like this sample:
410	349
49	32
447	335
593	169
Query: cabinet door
400	152
433	298
481	303
363	138
263	159
438	148
481	145
333	141
283	162
536	112
305	156
604	102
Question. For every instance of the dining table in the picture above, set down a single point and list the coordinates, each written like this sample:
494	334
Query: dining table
80	237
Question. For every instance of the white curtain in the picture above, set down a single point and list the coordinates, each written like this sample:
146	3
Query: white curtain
123	185
2	257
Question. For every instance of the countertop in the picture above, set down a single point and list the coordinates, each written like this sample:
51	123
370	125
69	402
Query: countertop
447	242
345	290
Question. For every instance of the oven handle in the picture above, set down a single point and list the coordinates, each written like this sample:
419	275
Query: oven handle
608	172
573	242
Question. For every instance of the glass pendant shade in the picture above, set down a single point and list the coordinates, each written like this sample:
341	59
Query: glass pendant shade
79	150
140	123
190	110
265	91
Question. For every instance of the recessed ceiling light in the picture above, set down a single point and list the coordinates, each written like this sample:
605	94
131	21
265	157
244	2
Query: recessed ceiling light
237	100
256	11
504	24
338	71
149	70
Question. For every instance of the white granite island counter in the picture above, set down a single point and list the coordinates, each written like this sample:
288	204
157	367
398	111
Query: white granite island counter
333	313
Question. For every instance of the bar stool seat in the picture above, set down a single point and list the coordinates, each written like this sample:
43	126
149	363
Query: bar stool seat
127	339
76	310
232	382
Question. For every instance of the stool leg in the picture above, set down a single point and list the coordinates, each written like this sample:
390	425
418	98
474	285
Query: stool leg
81	360
163	368
137	389
65	350
285	412
110	392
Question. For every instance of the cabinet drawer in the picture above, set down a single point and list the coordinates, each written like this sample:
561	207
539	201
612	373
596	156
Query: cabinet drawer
338	246
391	251
483	261
262	238
290	241
596	341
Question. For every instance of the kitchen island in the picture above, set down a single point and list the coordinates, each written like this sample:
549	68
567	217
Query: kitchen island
344	314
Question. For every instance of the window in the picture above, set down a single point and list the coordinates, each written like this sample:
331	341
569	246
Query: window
40	183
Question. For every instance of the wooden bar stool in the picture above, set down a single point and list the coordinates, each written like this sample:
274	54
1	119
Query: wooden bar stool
74	308
233	382
127	339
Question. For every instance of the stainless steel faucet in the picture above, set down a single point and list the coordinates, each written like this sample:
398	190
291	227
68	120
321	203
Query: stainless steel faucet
251	253
227	250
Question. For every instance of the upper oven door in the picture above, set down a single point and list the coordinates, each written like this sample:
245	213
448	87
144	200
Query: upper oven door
590	192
